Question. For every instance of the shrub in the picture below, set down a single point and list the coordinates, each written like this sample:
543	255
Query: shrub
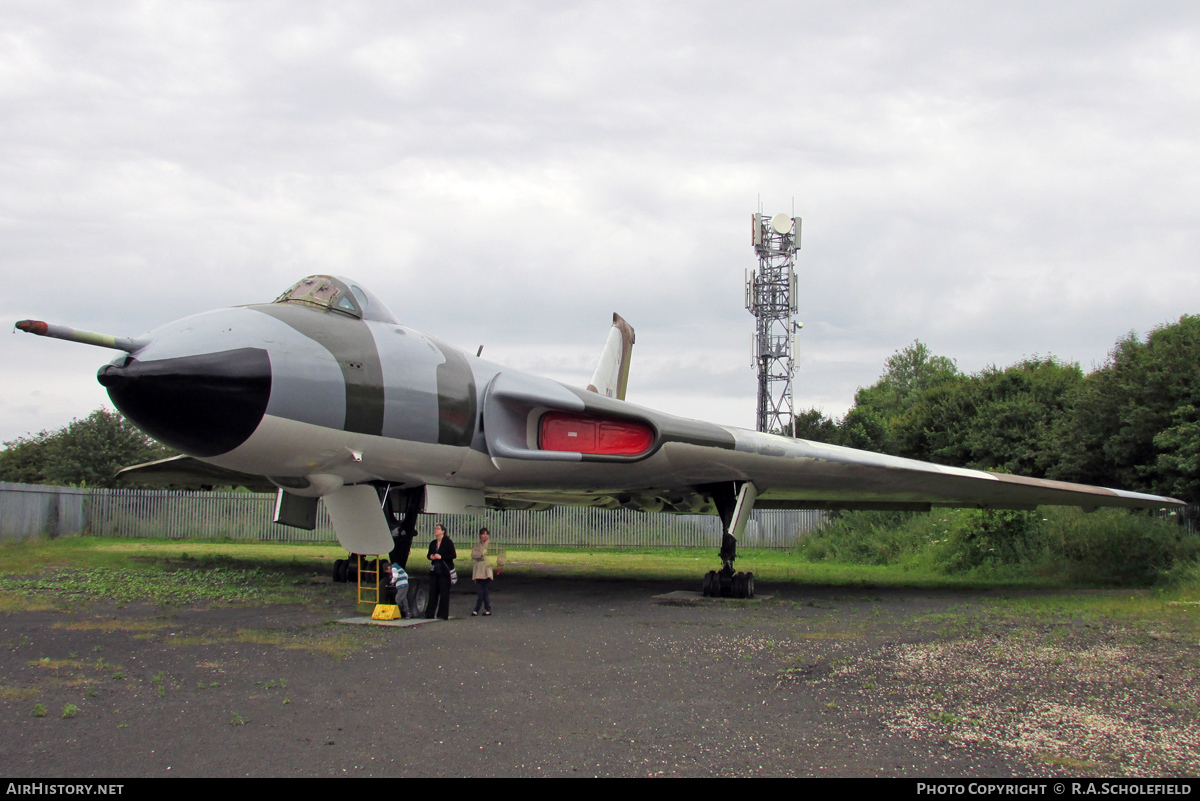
868	538
1110	546
1113	546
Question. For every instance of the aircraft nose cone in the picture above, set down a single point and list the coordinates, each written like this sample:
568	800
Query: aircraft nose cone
200	405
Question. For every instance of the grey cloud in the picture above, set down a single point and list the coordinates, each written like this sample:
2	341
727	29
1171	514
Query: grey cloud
995	180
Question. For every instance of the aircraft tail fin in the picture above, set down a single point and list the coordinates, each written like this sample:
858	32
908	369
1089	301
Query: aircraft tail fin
612	371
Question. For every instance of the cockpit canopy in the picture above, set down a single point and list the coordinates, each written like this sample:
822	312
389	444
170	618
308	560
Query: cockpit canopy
338	294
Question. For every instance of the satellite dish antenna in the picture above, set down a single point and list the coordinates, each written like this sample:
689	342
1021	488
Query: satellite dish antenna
781	223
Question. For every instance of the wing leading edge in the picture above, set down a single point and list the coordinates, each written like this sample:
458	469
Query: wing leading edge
186	472
678	474
802	474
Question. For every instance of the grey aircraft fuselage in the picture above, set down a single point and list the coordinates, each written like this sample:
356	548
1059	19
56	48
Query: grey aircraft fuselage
321	390
289	390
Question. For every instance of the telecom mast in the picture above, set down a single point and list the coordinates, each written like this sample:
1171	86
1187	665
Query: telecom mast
771	298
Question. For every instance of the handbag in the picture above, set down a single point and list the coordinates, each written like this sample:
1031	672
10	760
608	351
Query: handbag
453	576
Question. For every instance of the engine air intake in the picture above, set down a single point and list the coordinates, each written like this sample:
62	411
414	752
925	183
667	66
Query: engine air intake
581	433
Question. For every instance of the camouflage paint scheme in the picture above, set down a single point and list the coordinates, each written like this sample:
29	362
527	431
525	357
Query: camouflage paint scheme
305	396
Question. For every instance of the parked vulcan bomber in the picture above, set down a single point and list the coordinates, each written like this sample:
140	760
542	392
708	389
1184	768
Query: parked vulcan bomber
324	395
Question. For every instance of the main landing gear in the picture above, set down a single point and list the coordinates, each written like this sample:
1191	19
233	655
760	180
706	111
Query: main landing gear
400	509
724	583
734	502
345	569
348	570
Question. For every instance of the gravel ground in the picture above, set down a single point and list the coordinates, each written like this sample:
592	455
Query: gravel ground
589	678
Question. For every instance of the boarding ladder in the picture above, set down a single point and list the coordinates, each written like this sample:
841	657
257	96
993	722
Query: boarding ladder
370	579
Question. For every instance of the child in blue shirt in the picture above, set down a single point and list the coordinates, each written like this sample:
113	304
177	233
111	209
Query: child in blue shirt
400	582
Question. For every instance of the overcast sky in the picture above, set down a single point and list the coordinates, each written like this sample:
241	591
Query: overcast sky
997	180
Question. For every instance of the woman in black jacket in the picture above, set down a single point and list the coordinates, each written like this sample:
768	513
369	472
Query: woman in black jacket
441	561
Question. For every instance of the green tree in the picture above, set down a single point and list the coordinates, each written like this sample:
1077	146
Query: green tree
1129	425
84	452
935	428
907	374
23	460
867	430
1179	455
813	425
995	420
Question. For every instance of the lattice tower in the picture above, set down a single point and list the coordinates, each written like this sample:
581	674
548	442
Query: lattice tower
771	298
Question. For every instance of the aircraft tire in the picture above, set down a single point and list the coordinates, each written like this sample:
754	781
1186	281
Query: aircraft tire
739	585
707	584
418	602
749	585
339	570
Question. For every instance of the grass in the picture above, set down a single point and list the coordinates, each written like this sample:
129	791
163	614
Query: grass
113	625
21	557
157	571
1132	607
334	644
767	566
130	584
171	572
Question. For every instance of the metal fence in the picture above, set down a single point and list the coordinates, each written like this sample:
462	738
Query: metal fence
247	516
1188	517
29	511
195	515
624	528
34	512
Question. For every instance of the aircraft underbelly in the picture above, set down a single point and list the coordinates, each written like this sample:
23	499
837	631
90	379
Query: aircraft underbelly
282	447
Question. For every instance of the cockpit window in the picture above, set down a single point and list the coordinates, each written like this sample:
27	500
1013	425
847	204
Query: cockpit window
324	292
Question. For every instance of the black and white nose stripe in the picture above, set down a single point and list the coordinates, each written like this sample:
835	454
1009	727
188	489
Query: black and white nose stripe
349	342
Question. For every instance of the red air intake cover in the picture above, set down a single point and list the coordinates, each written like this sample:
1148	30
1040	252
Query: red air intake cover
581	433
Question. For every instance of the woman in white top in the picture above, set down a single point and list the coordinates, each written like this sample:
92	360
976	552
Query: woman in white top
481	573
